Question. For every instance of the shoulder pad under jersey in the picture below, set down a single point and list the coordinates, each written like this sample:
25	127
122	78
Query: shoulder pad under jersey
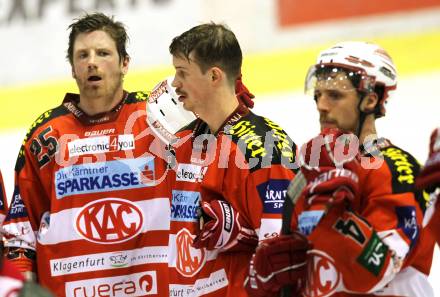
139	96
39	122
404	169
259	137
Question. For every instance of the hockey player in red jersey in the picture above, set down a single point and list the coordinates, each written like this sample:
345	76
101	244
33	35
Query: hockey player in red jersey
230	182
429	179
359	208
3	200
89	198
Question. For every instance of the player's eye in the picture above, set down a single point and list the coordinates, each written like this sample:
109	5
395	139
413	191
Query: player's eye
334	95
316	96
181	74
82	55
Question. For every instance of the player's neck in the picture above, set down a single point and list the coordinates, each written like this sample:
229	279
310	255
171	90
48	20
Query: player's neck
218	113
99	104
368	130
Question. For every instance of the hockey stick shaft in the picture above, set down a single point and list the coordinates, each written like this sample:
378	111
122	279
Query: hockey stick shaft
293	193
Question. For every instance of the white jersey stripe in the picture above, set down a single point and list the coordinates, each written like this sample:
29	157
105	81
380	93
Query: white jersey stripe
110	260
62	225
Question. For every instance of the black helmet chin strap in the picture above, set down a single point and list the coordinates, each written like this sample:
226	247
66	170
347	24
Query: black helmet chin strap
362	116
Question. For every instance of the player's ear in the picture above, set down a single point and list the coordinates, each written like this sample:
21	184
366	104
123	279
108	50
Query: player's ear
217	75
73	73
125	63
369	102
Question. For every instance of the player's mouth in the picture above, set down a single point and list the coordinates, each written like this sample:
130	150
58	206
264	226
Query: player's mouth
94	79
182	95
328	124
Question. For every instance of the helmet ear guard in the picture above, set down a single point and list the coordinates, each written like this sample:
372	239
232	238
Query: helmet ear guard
165	113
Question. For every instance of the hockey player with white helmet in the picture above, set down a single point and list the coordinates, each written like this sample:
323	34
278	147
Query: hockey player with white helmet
359	208
367	61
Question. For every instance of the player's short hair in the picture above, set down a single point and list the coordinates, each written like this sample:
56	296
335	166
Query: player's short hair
99	21
212	45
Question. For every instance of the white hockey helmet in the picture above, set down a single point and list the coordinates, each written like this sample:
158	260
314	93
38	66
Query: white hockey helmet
371	62
165	113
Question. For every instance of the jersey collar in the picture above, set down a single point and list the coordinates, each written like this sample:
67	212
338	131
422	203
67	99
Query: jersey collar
71	101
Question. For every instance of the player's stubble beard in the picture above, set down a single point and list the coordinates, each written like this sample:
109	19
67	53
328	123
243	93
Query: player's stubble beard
107	90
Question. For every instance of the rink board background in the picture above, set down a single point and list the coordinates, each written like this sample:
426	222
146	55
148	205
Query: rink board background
411	114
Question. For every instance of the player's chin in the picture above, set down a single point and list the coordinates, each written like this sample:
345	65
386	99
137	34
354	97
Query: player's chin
328	125
187	106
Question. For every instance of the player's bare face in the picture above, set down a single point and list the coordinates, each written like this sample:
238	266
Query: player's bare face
191	84
97	68
337	101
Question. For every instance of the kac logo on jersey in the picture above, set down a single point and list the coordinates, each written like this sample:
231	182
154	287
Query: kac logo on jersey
105	176
189	260
184	206
323	277
272	194
109	221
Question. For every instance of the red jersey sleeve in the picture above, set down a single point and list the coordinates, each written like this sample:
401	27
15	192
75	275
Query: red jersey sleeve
32	182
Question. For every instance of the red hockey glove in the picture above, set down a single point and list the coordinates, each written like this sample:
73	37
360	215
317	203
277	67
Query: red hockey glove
243	93
224	229
11	279
277	262
24	259
429	178
330	164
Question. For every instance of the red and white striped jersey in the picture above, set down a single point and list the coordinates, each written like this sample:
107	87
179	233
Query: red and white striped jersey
229	166
91	199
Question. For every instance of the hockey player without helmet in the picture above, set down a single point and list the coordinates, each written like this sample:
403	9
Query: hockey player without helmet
366	65
165	113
